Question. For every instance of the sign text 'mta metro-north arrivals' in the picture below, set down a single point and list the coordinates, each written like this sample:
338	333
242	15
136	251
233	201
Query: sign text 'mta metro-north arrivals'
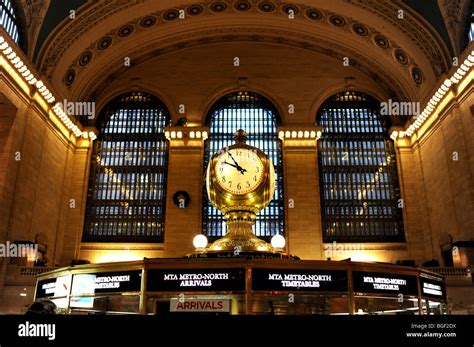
195	279
37	330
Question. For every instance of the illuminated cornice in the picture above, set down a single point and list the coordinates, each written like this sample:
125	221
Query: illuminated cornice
290	132
193	133
460	79
13	61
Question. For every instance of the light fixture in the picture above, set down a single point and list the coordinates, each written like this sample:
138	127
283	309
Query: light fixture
278	242
200	242
29	76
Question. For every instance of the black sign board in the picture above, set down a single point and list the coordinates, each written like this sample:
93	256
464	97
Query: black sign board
299	280
107	282
381	282
431	288
195	280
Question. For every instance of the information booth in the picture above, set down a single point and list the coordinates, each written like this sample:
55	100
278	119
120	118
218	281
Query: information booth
243	286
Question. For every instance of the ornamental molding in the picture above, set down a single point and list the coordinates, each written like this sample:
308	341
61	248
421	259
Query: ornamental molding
96	84
69	31
436	53
91	14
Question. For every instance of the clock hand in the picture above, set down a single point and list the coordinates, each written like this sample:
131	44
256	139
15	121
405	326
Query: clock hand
241	169
231	165
230	155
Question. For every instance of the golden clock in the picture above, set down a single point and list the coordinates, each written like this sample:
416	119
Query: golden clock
240	182
239	171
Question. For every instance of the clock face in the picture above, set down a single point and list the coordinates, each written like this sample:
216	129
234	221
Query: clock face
239	171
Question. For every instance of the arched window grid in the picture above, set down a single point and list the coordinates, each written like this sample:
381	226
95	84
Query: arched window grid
127	183
360	195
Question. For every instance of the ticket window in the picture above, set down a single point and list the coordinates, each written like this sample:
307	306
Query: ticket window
378	305
216	304
105	304
300	304
434	307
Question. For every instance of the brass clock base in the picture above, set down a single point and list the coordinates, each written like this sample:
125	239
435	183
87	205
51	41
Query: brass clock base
240	237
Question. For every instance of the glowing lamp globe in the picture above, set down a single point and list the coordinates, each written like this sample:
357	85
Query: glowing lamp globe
200	242
278	242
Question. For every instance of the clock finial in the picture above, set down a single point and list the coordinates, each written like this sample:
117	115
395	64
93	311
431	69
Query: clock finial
240	136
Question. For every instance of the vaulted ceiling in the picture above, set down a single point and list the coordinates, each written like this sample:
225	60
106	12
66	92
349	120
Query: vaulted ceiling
83	56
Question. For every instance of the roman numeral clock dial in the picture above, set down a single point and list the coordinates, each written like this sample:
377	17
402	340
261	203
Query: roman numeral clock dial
239	171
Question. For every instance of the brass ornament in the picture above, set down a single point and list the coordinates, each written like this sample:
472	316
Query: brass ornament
240	210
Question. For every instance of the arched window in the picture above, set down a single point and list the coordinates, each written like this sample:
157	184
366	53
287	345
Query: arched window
127	184
259	118
358	172
9	20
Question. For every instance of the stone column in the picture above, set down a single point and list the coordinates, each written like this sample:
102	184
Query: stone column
185	173
302	195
